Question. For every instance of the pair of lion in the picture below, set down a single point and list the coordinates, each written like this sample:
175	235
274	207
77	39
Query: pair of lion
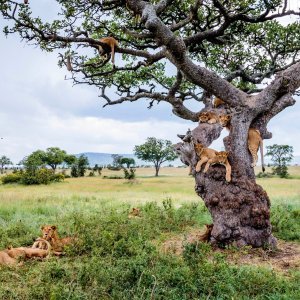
212	157
255	141
42	247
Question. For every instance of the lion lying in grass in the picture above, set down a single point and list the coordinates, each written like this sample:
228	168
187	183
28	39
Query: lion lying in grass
11	256
50	235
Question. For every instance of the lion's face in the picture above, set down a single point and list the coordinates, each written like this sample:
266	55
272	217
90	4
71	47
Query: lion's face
222	156
49	231
199	148
224	120
204	117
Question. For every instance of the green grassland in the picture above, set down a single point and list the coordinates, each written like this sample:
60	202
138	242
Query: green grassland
120	258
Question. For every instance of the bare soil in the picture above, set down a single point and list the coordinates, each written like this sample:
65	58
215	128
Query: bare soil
285	258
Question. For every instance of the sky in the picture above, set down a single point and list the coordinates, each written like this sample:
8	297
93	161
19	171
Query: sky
40	109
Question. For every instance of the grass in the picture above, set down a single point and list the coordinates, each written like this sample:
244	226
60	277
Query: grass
119	258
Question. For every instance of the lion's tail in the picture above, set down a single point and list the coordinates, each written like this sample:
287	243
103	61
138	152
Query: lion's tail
261	144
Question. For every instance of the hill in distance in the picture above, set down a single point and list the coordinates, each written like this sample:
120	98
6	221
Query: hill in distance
105	159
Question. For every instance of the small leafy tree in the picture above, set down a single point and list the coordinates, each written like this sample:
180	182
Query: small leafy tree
280	155
156	151
4	161
97	169
116	160
54	156
34	161
79	166
127	161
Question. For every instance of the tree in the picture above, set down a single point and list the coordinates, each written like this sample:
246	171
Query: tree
156	151
127	161
34	161
79	166
281	155
54	156
4	161
116	160
226	49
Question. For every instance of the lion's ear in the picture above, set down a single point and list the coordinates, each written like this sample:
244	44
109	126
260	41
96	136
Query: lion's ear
42	227
53	227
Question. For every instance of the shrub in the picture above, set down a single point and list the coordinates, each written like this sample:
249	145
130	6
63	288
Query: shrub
264	175
129	174
11	178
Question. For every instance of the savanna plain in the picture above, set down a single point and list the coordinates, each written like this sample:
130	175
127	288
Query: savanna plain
152	256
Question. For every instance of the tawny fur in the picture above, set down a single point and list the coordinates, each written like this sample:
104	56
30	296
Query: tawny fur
135	212
255	141
218	102
50	234
221	158
205	237
6	260
208	117
111	43
204	154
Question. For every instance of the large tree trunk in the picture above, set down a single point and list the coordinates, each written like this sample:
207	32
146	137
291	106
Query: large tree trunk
240	209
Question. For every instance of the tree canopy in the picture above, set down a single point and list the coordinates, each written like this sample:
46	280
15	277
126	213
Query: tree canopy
4	161
280	155
156	151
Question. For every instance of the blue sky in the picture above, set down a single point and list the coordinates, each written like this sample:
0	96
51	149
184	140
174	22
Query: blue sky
40	109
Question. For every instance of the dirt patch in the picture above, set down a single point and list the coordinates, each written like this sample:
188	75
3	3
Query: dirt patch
286	257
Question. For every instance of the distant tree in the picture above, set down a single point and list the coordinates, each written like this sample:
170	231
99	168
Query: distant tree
55	156
34	161
116	160
80	165
156	151
127	161
280	155
70	160
97	169
4	161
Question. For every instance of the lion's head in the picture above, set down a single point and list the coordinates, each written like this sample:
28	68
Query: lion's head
222	157
49	232
204	117
224	120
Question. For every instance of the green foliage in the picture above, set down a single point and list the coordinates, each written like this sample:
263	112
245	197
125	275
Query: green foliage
40	176
264	175
11	178
156	151
281	155
120	258
4	161
127	161
129	174
79	166
285	220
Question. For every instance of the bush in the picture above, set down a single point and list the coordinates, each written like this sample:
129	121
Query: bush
129	174
113	177
264	175
11	178
41	176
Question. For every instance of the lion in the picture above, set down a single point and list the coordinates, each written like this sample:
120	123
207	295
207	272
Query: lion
50	234
204	154
6	260
217	102
221	158
205	237
134	213
208	117
254	141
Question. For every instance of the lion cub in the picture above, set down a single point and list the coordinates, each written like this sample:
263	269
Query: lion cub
208	117
204	154
221	158
254	141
